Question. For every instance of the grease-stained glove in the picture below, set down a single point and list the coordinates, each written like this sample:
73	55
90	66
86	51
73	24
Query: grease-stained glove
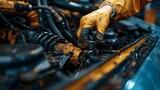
98	19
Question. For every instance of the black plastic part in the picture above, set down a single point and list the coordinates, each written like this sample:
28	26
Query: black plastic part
19	58
19	7
47	40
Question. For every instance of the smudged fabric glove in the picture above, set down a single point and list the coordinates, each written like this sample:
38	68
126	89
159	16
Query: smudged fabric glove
99	19
96	20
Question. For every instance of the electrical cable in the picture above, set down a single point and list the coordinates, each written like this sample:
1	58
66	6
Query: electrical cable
64	18
64	14
11	26
40	13
21	25
7	22
66	32
50	21
63	27
17	16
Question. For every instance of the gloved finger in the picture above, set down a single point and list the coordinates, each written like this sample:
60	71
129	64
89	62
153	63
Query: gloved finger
99	36
85	32
84	23
102	23
84	40
101	28
82	30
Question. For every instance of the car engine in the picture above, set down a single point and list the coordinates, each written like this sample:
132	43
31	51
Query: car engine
40	50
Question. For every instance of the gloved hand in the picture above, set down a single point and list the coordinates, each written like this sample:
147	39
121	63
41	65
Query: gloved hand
98	19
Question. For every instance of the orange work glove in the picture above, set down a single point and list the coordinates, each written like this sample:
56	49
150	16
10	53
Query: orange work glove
98	19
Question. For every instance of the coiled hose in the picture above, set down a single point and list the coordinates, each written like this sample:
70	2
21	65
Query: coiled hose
47	40
64	30
55	44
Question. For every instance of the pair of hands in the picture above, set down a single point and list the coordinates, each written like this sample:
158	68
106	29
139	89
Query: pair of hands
98	19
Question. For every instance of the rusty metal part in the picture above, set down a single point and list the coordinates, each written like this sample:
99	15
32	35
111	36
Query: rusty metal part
55	44
69	48
33	18
105	68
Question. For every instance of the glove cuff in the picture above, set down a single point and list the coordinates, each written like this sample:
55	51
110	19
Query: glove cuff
113	9
118	7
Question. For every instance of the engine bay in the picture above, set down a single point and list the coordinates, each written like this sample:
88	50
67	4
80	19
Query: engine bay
40	50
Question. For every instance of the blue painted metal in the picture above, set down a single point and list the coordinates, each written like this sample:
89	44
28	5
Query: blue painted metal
148	75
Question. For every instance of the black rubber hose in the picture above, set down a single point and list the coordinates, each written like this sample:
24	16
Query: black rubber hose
65	28
66	32
51	23
73	6
60	20
40	13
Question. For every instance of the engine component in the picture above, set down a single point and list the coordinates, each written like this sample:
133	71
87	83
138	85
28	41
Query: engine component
19	58
9	6
24	66
47	40
53	43
69	48
33	18
62	59
12	7
107	68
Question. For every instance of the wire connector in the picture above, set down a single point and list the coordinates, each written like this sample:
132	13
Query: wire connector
20	7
